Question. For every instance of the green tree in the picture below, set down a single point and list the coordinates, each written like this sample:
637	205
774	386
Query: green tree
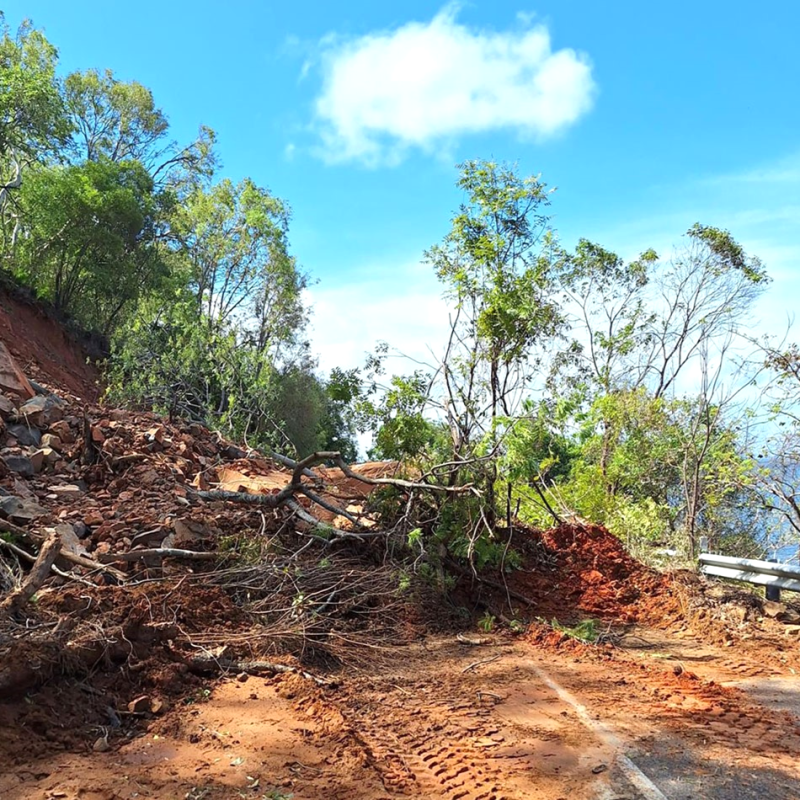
120	121
235	239
91	232
497	268
33	122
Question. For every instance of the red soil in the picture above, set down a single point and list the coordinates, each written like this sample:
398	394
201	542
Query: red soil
44	350
575	570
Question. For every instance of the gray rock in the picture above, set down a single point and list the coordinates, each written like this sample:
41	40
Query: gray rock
9	504
37	387
19	464
26	435
27	512
42	411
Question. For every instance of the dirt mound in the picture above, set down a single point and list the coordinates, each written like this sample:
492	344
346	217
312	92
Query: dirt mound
575	570
44	349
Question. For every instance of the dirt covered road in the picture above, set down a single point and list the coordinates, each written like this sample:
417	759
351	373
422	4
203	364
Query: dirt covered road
481	718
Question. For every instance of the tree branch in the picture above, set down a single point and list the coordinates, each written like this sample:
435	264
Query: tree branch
36	577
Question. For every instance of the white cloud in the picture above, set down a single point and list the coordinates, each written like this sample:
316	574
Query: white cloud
423	85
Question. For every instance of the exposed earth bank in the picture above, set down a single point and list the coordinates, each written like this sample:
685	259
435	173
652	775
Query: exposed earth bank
255	663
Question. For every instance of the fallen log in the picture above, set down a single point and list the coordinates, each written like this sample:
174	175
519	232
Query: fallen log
36	577
287	496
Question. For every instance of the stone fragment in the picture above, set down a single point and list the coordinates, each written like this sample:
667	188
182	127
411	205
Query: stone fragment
42	411
67	490
26	435
21	489
12	378
158	706
7	408
70	540
27	512
773	609
37	459
8	505
62	430
51	456
52	441
186	533
140	705
93	518
22	465
155	434
200	482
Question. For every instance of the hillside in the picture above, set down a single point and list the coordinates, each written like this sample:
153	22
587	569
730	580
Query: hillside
203	647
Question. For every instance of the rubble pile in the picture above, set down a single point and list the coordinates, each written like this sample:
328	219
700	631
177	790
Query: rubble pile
111	481
580	569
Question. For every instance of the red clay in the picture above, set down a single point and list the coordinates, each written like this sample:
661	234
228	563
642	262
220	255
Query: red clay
44	350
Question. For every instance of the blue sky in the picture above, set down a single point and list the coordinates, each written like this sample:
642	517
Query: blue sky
647	117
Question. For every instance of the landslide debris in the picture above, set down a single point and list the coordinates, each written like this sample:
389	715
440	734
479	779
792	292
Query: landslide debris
586	569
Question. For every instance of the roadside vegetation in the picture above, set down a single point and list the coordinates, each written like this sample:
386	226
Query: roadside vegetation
574	383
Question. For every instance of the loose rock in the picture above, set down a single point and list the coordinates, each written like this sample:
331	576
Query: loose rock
19	464
26	435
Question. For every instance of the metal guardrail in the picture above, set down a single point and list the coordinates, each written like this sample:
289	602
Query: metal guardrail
749	570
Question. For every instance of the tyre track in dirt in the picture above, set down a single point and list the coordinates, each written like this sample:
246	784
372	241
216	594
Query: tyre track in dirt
418	751
497	734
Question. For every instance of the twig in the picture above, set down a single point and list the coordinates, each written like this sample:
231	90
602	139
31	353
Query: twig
478	663
163	552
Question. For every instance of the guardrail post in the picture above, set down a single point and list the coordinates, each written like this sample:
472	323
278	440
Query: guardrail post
704	544
772	592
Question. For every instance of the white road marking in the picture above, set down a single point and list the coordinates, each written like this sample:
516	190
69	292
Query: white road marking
648	789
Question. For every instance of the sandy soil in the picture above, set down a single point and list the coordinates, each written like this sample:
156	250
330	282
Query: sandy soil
444	719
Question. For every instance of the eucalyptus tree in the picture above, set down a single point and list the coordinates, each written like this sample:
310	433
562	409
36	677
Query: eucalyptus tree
119	121
33	122
496	267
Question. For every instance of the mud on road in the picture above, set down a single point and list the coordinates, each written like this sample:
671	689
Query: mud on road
446	719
